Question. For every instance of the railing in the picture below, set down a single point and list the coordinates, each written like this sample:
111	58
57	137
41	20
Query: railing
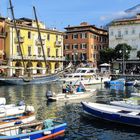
58	43
36	57
39	43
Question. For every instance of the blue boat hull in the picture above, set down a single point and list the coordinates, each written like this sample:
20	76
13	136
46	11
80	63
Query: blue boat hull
24	81
113	117
36	135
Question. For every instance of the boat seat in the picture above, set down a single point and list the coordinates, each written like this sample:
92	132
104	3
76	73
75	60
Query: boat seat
134	113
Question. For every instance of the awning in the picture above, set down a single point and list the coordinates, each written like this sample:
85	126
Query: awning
105	64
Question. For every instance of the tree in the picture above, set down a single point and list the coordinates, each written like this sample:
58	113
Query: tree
122	48
138	54
107	55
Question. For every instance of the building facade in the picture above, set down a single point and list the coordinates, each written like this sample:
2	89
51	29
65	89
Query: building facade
126	31
82	43
2	39
29	54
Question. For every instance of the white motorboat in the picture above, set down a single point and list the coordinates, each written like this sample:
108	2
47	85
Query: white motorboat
71	96
12	109
87	76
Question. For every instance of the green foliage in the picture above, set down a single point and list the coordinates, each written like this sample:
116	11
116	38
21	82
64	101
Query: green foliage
122	49
107	55
110	54
138	54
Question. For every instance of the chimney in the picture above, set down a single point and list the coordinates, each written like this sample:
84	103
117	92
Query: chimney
84	24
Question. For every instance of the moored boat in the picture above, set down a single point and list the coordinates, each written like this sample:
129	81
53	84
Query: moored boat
112	113
26	117
132	102
70	96
40	130
13	109
86	75
28	80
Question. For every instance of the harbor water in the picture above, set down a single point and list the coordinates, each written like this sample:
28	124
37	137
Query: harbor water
80	126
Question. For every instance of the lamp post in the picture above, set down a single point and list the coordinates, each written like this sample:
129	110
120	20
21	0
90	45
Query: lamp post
124	51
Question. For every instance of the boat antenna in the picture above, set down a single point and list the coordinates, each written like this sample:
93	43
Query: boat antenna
39	35
18	35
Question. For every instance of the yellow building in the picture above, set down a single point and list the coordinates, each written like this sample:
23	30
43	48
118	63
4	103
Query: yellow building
29	56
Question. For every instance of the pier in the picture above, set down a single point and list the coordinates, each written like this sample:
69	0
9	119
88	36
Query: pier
128	77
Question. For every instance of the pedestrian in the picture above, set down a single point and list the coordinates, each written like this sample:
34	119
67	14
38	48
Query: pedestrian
64	86
70	88
81	87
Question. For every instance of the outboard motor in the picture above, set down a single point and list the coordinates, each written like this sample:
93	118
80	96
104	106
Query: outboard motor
49	94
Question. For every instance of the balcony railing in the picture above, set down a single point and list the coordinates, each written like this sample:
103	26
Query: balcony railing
58	43
118	36
37	57
39	43
21	39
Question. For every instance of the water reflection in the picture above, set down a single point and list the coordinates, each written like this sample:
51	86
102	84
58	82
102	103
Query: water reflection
79	126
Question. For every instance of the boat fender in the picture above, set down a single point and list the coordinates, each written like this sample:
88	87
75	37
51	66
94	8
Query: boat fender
2	110
2	101
49	94
47	132
30	109
18	122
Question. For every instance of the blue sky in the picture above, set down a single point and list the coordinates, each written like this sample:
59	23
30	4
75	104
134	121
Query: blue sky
61	13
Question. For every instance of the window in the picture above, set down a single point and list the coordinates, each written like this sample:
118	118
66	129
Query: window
48	36
66	46
111	33
119	33
56	37
48	52
18	50
29	35
126	32
83	35
75	46
133	31
18	33
83	46
29	50
66	36
39	51
67	57
57	52
94	56
75	36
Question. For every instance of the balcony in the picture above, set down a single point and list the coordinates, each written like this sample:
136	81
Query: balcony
37	57
119	36
21	39
58	43
38	43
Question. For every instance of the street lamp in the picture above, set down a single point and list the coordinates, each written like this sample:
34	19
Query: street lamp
75	57
124	51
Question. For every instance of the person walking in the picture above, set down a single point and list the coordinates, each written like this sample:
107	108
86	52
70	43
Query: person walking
64	86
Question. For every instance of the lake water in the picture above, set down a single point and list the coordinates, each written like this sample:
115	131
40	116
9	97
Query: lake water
80	127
